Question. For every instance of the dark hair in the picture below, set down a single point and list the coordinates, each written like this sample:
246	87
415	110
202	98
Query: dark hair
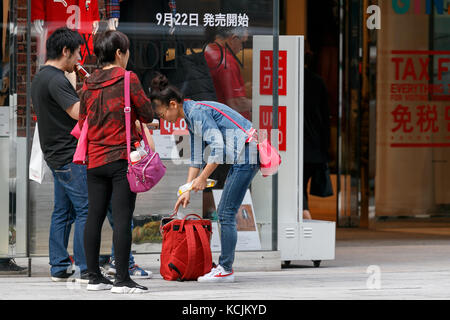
106	44
161	90
60	38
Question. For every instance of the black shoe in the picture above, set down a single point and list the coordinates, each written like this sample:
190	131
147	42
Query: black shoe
97	283
128	287
9	266
63	276
83	278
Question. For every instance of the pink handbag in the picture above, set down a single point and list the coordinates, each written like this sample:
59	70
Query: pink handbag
269	157
80	153
145	174
76	132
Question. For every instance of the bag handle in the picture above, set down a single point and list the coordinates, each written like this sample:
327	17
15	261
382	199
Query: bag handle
127	111
182	223
184	220
249	134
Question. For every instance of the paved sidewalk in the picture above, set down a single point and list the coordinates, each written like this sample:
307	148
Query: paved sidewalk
375	268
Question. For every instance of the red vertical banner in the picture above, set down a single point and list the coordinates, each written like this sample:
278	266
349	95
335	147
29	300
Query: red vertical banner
266	72
266	122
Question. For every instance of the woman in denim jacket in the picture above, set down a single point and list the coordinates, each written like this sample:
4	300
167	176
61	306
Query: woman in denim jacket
227	144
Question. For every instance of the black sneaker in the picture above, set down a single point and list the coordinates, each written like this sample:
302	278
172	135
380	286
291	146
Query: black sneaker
63	276
9	266
97	283
83	278
128	287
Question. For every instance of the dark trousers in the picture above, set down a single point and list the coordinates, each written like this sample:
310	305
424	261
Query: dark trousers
109	183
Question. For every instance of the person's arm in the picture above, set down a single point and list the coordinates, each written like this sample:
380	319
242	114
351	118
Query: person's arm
200	182
74	111
65	96
206	130
184	199
151	143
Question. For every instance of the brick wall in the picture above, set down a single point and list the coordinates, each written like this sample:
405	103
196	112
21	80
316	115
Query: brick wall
19	14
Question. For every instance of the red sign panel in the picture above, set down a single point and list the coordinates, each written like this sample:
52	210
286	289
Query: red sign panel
265	73
266	121
420	111
177	128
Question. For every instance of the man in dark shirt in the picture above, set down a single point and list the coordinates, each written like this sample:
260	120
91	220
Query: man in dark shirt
57	105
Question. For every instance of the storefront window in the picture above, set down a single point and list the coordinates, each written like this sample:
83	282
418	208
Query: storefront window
412	110
204	47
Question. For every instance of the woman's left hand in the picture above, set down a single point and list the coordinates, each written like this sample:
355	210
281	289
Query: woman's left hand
199	184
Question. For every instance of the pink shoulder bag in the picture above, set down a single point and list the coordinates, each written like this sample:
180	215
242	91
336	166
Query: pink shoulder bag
145	174
80	152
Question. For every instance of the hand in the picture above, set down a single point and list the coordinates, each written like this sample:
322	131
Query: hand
39	26
184	200
199	184
113	23
95	27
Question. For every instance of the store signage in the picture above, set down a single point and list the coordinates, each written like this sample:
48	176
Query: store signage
404	6
420	111
177	128
207	20
265	75
266	123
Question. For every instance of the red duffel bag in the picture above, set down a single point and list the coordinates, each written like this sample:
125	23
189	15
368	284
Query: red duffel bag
186	250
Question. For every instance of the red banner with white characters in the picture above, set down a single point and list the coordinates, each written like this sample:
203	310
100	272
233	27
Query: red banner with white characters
266	123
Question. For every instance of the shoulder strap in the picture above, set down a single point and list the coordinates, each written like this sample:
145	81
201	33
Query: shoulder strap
207	256
127	111
249	134
192	254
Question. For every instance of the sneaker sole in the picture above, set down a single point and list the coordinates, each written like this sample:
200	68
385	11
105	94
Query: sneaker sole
85	281
99	287
216	280
127	290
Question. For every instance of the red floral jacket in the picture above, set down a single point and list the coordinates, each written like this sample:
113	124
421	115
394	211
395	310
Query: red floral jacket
102	101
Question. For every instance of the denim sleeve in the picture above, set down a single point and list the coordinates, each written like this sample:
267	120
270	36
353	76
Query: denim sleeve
197	148
205	126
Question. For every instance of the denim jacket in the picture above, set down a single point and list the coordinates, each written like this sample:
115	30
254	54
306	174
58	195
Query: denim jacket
209	127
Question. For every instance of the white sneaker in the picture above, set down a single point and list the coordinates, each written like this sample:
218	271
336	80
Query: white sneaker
129	287
217	274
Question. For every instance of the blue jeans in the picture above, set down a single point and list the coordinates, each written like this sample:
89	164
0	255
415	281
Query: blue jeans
111	222
71	207
237	183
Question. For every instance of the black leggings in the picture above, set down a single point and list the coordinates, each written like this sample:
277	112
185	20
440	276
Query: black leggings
109	183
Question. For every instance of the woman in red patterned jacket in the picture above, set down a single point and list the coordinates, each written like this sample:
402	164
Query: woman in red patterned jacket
102	103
